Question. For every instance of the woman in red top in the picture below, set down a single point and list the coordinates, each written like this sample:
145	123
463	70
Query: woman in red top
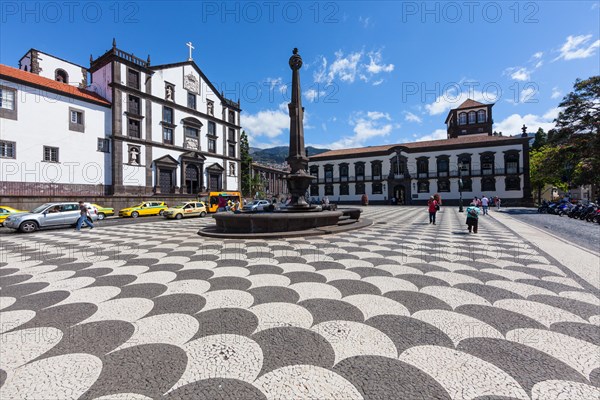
433	208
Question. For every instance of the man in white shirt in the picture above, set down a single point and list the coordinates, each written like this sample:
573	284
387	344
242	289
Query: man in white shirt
485	202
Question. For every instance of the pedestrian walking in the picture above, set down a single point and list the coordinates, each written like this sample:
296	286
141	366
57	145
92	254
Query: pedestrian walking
221	204
485	202
365	200
83	217
472	217
433	208
498	201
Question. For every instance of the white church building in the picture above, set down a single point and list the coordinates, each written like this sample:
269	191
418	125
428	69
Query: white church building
121	127
472	160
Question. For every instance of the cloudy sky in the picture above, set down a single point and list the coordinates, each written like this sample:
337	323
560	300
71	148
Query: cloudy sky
374	72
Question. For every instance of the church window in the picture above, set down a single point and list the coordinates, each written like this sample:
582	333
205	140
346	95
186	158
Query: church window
167	135
8	149
133	79
328	190
467	184
377	188
133	105
512	163
60	75
231	150
103	145
472	117
231	136
443	166
191	100
423	186
487	164
443	185
212	146
359	169
76	121
462	118
481	116
359	188
168	115
133	128
7	99
488	184
513	183
314	190
344	189
212	128
50	154
329	173
231	117
422	168
376	169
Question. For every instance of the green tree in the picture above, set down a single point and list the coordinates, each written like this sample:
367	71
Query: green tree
540	139
545	169
246	172
577	134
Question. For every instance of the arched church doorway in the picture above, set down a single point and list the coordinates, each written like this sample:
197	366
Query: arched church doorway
400	194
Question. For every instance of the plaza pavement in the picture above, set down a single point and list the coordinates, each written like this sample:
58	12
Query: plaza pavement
400	310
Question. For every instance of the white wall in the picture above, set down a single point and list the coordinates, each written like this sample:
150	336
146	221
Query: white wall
43	119
100	80
412	169
49	64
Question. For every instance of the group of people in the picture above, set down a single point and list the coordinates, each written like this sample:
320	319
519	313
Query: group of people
225	204
477	206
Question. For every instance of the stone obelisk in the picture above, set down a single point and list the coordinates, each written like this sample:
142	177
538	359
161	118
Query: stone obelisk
298	179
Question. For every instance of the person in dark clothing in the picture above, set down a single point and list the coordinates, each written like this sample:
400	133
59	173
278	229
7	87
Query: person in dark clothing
472	217
83	217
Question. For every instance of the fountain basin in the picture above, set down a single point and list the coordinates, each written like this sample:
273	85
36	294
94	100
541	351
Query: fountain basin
279	224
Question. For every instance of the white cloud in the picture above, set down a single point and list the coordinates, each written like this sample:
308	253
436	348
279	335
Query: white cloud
366	126
375	66
269	123
528	95
365	22
451	99
578	47
512	124
408	116
347	68
375	115
538	55
435	135
556	93
521	74
312	94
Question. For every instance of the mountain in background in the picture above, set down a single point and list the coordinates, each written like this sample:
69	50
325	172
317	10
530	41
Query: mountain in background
277	155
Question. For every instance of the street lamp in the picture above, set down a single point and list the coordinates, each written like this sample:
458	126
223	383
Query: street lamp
460	186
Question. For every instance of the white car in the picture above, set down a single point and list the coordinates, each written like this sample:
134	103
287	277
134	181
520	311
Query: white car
48	215
256	205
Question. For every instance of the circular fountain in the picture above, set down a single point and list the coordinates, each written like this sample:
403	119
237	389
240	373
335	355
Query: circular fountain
299	218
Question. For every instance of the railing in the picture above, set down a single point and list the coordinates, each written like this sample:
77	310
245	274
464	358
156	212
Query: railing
131	58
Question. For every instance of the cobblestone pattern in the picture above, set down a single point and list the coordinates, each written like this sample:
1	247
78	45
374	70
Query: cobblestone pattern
399	310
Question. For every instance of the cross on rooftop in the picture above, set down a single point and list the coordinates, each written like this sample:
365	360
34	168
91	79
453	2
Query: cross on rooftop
189	44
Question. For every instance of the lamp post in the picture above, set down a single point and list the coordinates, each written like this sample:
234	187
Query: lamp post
460	187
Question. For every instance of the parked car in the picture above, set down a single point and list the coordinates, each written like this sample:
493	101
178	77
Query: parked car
145	208
256	205
104	212
189	209
5	211
46	216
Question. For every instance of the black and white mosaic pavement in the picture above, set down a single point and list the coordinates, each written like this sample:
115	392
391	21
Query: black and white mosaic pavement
399	310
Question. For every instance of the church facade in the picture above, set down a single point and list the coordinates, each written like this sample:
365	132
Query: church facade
472	160
148	130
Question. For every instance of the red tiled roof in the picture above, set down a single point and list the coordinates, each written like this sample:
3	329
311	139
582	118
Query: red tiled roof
30	78
468	103
461	140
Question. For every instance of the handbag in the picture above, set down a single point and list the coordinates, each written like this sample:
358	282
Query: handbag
437	207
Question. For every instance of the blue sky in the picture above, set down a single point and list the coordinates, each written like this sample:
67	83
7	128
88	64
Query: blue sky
374	72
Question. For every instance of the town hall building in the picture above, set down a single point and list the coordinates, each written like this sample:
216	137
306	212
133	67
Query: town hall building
472	160
120	127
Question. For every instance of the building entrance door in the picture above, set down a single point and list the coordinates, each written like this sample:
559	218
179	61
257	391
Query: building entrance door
191	179
400	195
165	180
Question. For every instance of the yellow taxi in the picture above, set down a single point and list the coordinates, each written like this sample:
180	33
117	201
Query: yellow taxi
6	211
145	208
104	212
189	209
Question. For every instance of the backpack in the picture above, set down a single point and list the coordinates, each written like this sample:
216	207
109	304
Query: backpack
473	213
